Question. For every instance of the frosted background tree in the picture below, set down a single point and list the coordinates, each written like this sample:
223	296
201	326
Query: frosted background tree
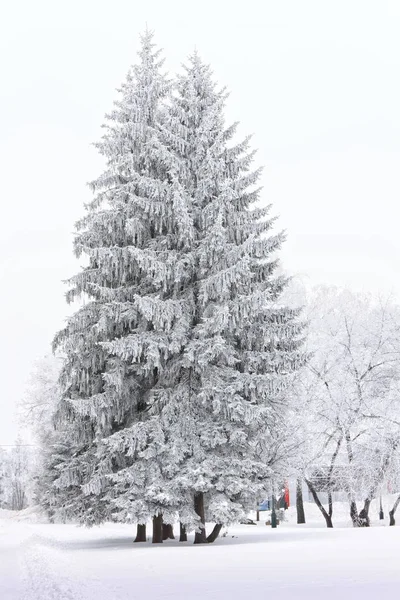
16	480
37	413
39	402
2	478
351	391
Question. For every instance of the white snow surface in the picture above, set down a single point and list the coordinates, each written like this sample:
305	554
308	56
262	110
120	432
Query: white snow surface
40	561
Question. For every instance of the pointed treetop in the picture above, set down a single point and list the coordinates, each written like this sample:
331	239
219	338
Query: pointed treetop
146	52
146	38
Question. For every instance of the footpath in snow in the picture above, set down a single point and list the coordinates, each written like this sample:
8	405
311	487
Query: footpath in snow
65	562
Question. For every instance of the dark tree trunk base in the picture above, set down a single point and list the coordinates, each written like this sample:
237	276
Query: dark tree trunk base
363	519
140	533
157	530
301	518
392	512
182	533
214	534
168	532
200	537
354	513
381	515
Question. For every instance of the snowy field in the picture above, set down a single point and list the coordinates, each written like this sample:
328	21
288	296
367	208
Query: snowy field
39	561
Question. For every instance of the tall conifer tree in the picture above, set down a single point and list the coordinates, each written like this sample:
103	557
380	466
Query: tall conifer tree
243	345
116	342
176	368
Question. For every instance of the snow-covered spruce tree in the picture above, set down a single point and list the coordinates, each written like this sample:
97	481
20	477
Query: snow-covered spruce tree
221	401
176	367
133	234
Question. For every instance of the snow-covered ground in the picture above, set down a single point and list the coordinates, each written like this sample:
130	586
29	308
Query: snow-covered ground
39	561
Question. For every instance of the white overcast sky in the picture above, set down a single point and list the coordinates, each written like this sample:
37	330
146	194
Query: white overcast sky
316	81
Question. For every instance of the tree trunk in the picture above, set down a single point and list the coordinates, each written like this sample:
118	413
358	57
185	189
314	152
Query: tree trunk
18	499
301	518
140	533
353	512
392	512
317	501
157	530
214	534
330	475
381	515
168	532
200	536
353	505
182	533
363	517
330	504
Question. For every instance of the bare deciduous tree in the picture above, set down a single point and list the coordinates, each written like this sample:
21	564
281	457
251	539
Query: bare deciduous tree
349	397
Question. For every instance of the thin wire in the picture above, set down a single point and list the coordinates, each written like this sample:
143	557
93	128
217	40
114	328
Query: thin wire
18	445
